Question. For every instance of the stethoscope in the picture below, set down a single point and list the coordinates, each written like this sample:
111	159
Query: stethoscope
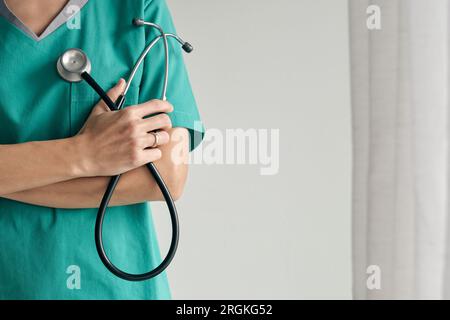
74	66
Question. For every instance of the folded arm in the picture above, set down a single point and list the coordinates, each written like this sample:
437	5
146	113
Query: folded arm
36	164
135	186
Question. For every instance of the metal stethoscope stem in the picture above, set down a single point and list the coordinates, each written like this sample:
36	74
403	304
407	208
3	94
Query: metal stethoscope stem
144	55
74	66
140	22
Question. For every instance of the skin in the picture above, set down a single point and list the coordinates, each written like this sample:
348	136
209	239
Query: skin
74	172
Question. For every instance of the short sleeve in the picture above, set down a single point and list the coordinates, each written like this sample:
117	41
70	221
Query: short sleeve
179	91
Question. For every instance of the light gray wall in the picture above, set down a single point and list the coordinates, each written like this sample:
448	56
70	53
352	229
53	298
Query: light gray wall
268	64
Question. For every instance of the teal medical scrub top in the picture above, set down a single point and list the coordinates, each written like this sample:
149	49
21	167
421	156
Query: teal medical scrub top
48	253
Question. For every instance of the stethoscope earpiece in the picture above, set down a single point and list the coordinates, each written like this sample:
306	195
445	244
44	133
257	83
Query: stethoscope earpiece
138	22
72	64
187	47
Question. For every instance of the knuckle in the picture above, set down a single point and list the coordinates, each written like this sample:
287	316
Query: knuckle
128	113
125	118
169	107
165	137
134	144
165	120
131	129
154	105
164	106
161	106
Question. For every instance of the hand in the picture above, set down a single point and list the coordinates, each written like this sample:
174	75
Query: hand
116	142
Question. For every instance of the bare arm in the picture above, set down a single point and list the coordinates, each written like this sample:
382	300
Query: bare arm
36	164
135	186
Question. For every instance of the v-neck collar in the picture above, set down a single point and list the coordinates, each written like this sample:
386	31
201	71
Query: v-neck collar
68	12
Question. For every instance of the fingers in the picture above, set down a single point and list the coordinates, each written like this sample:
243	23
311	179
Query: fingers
151	107
159	119
148	148
159	122
113	94
117	90
154	140
151	155
157	139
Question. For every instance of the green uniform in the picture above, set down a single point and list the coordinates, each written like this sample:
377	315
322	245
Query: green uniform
48	253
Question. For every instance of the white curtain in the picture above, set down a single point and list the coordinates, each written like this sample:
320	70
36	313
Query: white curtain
400	97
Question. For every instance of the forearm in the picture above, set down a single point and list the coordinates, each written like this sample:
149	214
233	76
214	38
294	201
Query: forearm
35	164
135	186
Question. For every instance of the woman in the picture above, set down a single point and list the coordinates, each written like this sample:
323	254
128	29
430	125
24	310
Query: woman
58	148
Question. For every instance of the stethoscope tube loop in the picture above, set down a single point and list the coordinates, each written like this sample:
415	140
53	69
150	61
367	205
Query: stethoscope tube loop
99	230
107	198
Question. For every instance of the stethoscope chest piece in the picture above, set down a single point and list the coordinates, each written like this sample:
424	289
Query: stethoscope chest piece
72	64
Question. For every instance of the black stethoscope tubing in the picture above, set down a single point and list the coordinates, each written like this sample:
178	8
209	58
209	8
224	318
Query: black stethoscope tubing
107	198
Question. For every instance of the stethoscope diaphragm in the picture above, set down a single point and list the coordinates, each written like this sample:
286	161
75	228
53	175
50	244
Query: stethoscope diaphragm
72	64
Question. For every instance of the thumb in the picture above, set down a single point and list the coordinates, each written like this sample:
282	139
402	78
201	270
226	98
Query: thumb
101	107
113	94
